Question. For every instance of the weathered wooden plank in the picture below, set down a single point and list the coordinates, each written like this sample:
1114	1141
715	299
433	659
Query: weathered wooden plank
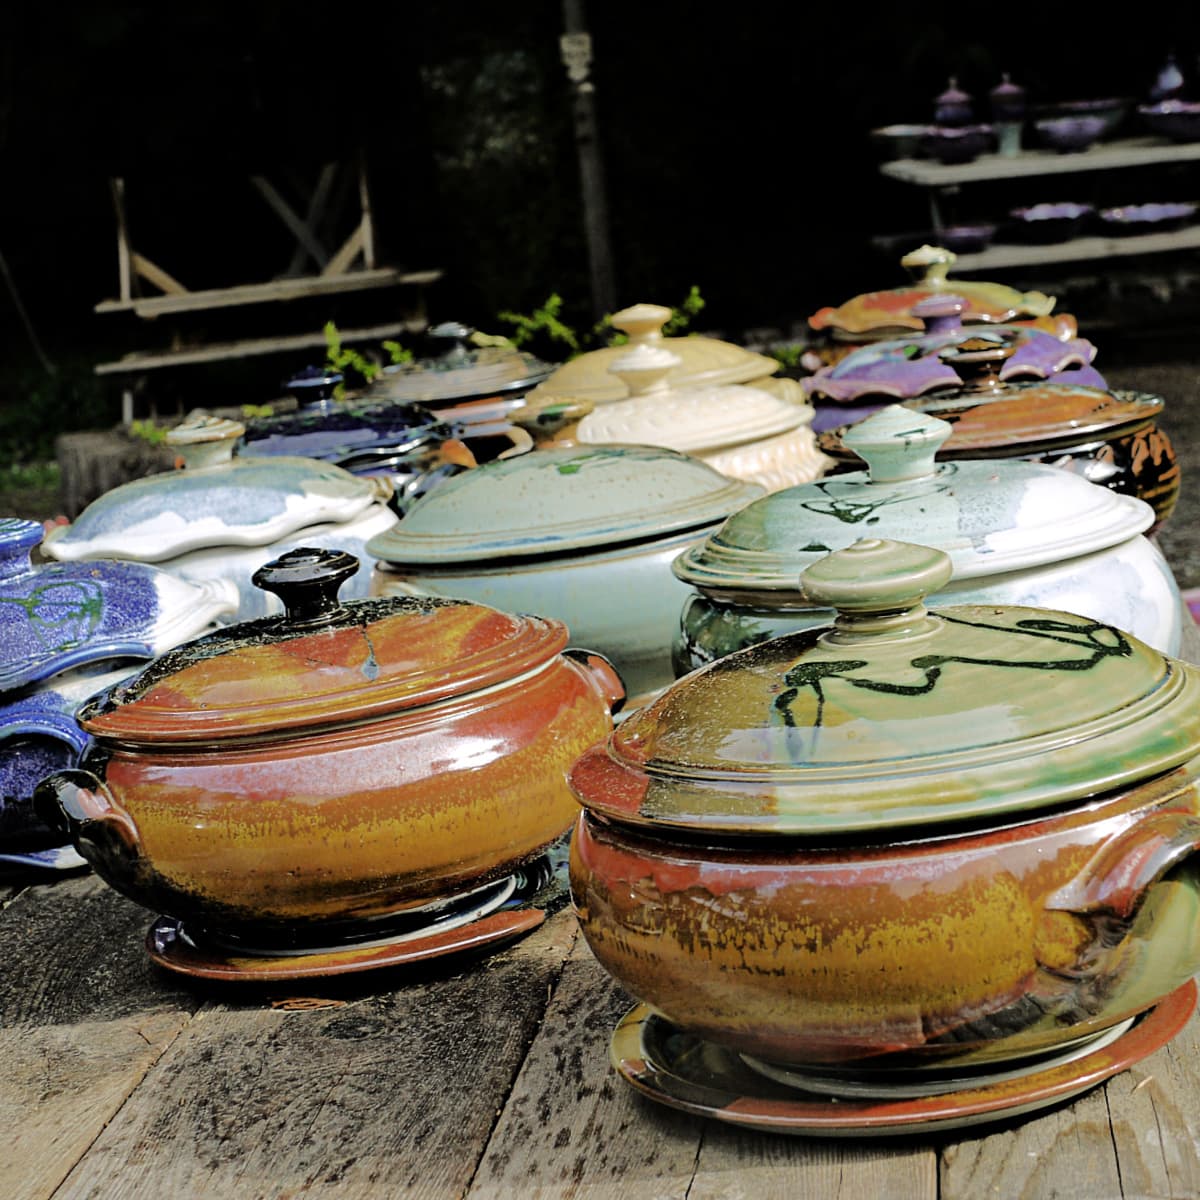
153	273
273	290
219	351
392	1092
572	1128
1136	1136
83	1017
349	250
299	229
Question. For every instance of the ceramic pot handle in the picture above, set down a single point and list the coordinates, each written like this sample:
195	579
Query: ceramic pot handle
79	803
1116	879
604	674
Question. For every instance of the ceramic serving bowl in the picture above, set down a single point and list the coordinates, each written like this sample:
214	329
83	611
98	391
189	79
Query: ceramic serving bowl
738	429
1172	118
1146	218
1071	132
1017	533
957	143
907	838
585	534
1049	222
304	778
221	518
1109	436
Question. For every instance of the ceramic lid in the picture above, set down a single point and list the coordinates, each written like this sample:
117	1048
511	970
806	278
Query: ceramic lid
878	312
683	417
322	663
705	361
989	516
62	615
560	501
895	716
911	366
217	500
460	369
343	431
990	415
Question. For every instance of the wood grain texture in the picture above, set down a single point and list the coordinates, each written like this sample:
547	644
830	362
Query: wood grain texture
1134	1137
572	1128
389	1089
83	1017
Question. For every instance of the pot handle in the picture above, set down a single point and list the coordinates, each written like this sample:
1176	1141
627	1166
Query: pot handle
1117	877
76	802
604	674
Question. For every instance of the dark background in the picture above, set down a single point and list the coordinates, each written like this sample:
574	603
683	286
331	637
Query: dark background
735	140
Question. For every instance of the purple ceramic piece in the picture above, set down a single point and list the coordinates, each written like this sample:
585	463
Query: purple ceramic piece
1176	119
1007	100
903	368
64	615
1147	218
957	143
964	239
1050	222
1169	81
1071	132
953	106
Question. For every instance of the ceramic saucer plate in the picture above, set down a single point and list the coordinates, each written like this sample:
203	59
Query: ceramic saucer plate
495	913
683	1071
910	1084
54	858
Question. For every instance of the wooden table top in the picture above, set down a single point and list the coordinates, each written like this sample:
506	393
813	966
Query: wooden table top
486	1077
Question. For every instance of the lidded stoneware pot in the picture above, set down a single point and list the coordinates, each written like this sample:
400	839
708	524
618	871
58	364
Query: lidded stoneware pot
1016	533
585	534
68	630
888	313
460	372
907	838
404	443
738	429
222	517
303	779
1109	436
704	361
904	367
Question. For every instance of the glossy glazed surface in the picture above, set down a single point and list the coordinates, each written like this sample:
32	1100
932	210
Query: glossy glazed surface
990	943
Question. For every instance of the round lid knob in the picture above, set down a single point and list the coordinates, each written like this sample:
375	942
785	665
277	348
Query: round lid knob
642	322
942	313
308	581
204	440
897	443
645	368
979	360
314	387
930	264
877	587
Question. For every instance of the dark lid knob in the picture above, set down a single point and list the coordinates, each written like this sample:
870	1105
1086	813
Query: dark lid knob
307	580
979	360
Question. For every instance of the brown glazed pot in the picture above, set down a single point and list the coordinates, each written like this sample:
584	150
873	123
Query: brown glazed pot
305	777
939	837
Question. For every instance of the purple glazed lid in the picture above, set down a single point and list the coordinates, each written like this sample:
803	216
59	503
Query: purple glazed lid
64	615
1007	100
953	106
903	368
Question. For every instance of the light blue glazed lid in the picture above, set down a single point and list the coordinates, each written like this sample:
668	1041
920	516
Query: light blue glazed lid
217	500
989	516
63	615
558	501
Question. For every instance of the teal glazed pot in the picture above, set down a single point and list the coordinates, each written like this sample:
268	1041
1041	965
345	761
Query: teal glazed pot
584	534
911	838
1016	533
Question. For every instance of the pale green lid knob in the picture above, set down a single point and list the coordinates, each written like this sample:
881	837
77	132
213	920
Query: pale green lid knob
898	443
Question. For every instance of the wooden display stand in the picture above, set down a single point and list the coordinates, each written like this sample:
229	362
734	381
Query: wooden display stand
351	267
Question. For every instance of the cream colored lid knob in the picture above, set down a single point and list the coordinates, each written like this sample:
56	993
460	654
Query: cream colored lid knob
644	369
642	322
204	441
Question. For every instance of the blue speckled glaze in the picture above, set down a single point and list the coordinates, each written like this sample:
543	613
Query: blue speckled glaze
64	615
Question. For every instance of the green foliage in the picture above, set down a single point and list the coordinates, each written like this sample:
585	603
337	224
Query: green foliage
788	355
542	322
397	353
149	431
684	313
250	411
345	359
36	406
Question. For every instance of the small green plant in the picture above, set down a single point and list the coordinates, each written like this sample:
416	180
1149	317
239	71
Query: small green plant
345	359
542	322
397	353
788	356
148	430
250	411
